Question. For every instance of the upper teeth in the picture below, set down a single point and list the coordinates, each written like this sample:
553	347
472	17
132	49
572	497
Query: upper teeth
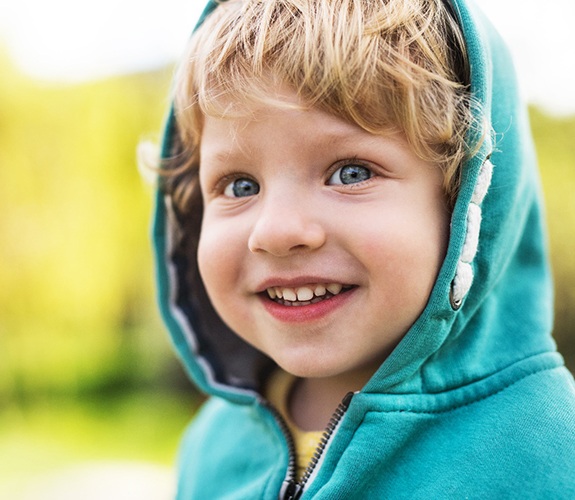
303	293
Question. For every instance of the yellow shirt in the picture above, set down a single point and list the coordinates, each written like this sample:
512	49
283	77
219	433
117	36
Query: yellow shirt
306	442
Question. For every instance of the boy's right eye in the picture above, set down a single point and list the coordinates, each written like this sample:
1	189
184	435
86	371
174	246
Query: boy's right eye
241	187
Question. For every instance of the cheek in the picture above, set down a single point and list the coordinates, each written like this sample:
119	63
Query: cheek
222	263
219	257
205	263
209	256
404	253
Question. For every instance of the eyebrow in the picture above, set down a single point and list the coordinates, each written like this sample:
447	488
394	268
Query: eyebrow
223	156
220	155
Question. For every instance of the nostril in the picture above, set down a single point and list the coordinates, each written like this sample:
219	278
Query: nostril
295	248
289	237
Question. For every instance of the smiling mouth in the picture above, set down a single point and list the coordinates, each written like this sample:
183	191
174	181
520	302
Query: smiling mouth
305	295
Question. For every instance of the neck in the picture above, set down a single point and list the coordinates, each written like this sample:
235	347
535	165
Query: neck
314	400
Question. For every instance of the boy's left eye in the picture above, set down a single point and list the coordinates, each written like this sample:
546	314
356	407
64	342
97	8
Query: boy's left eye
350	174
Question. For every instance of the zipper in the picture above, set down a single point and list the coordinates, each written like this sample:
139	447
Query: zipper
292	489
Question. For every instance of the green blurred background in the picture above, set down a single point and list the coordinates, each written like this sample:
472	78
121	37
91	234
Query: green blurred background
86	370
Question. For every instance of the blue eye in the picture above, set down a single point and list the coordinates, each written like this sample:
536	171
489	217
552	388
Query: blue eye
350	174
242	187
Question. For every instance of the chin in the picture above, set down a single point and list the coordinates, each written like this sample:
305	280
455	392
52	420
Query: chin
309	368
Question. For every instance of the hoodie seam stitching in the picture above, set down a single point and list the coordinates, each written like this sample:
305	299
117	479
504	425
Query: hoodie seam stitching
487	396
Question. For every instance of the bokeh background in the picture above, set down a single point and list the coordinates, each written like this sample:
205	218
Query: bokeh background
92	399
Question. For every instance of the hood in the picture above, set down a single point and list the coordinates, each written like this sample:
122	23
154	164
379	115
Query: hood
491	305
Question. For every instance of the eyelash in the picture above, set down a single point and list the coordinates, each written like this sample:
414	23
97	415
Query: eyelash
223	182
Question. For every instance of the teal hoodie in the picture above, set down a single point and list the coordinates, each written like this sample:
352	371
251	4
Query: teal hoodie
474	402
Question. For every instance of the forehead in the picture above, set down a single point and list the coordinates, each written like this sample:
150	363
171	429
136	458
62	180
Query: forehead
279	131
278	118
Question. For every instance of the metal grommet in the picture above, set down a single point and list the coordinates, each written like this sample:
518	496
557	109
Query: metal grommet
455	303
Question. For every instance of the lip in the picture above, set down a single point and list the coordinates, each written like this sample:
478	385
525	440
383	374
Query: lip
306	313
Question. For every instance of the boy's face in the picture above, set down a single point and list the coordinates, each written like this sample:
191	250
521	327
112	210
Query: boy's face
299	203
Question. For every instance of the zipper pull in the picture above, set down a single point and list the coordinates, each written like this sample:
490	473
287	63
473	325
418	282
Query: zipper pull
290	490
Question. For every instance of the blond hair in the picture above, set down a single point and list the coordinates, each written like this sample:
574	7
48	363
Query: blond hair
385	65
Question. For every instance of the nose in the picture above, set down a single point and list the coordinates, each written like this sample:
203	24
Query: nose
285	225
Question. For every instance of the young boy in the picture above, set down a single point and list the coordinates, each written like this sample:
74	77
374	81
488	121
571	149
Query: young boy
335	273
